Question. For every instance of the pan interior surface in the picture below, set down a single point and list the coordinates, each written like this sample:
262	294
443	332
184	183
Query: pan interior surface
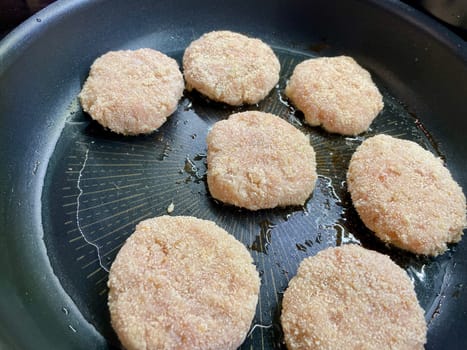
99	185
72	192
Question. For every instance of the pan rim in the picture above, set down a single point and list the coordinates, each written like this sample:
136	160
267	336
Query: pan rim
15	43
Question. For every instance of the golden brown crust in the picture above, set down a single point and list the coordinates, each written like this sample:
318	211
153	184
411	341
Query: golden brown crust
257	160
230	67
351	298
405	195
182	283
335	92
132	92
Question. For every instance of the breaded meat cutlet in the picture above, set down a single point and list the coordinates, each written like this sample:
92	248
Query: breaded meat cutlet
132	92
182	283
257	160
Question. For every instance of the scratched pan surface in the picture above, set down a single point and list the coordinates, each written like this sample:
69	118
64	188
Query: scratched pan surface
73	192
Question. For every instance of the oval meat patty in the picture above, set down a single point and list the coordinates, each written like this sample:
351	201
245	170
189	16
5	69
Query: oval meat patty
351	298
336	93
405	195
132	92
230	67
257	160
182	283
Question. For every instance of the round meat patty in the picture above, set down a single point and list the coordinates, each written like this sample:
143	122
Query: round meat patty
182	283
257	160
335	92
230	67
132	92
405	195
351	298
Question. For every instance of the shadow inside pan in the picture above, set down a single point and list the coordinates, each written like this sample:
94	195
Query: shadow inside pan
100	185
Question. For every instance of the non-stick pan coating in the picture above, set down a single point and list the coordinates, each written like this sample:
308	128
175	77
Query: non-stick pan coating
73	192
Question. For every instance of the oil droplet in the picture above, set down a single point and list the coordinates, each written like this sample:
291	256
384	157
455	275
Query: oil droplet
191	169
415	273
165	152
301	247
319	238
199	156
188	106
283	99
355	139
263	239
292	119
342	236
171	208
38	20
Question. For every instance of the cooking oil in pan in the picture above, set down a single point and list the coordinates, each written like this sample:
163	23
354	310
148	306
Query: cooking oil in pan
263	239
100	185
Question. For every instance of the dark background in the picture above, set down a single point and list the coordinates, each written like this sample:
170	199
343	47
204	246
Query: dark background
13	12
452	13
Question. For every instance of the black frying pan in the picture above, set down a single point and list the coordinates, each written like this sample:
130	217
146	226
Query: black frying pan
72	192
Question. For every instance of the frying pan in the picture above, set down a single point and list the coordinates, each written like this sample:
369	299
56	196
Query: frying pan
72	192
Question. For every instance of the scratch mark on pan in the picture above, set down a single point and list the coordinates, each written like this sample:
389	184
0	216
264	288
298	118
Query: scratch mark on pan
258	326
78	186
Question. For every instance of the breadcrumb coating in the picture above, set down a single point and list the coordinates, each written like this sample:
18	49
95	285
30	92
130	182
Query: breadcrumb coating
230	67
405	195
182	283
351	298
257	160
336	93
132	92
